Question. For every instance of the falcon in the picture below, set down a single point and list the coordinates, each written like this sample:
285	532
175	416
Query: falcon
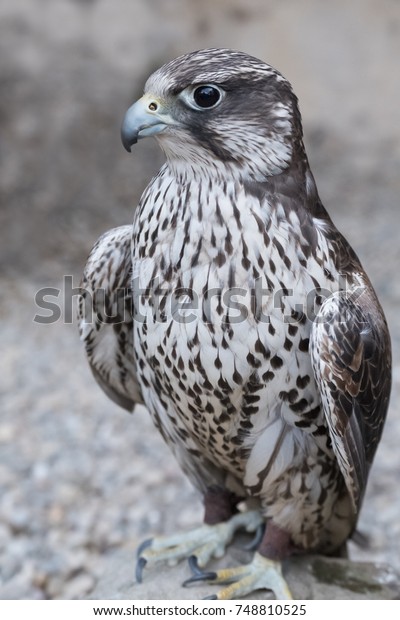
243	320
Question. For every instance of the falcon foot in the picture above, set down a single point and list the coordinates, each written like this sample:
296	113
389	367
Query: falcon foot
202	544
261	573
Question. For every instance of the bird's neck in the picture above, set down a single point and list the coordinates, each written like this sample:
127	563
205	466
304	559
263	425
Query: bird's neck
208	198
215	176
213	172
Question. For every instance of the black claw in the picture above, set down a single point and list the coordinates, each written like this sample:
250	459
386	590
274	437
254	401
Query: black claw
213	597
253	544
193	565
144	545
196	578
141	563
198	573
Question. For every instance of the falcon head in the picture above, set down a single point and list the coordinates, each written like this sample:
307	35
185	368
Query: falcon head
218	107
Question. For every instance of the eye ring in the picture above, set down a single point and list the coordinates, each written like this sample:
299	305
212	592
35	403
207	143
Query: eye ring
203	96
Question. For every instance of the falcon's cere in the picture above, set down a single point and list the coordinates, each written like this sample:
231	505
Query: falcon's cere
257	342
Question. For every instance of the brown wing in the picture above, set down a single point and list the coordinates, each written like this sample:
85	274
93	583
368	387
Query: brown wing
351	356
105	317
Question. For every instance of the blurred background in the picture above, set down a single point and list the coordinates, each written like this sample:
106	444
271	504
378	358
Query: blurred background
78	476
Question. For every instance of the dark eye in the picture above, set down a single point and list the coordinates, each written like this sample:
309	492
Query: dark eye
206	96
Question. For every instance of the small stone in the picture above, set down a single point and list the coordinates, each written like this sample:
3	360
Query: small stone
5	535
40	580
56	514
41	473
7	433
20	520
76	562
55	587
10	566
79	586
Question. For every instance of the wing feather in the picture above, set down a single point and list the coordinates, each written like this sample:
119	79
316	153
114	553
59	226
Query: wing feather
105	317
351	357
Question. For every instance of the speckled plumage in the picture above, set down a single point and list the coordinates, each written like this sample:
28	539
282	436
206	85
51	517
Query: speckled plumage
260	348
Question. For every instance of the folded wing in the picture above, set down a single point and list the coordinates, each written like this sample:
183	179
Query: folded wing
351	358
105	316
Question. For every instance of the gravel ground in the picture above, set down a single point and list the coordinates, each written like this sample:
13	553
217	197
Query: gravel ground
78	476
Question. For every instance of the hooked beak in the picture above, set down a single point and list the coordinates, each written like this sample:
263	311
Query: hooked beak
146	117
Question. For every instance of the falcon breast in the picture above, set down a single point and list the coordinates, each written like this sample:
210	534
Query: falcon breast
257	342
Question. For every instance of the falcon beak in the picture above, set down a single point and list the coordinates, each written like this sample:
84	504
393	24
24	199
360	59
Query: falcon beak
146	117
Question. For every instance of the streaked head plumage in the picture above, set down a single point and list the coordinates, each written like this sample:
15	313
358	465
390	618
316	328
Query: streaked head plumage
224	105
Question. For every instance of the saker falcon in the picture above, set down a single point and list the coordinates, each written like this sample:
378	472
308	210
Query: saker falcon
256	340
